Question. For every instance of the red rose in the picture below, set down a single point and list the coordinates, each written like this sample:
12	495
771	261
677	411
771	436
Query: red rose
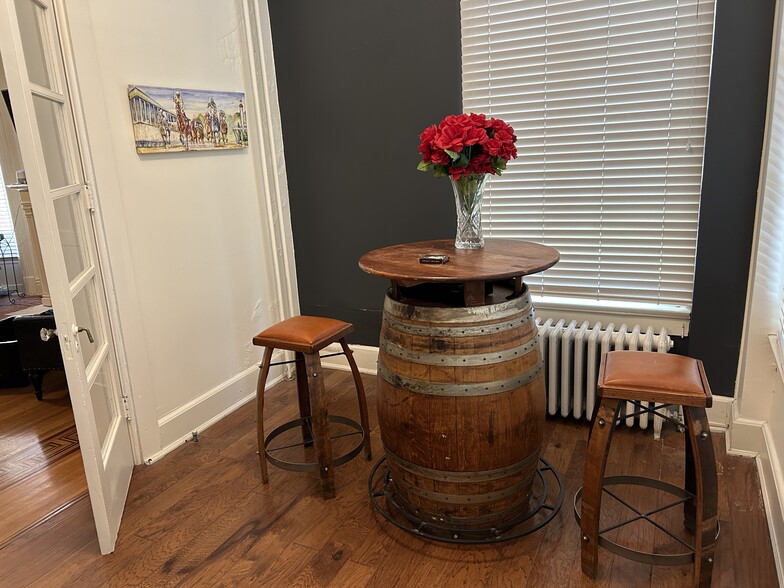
507	148
476	136
493	146
480	164
451	137
456	172
508	151
478	120
427	136
440	156
456	120
498	125
426	142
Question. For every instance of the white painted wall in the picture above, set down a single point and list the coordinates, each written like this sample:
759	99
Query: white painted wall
757	427
758	378
191	262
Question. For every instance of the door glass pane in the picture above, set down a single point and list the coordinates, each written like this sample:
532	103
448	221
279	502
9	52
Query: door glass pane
51	126
35	40
86	312
72	233
104	398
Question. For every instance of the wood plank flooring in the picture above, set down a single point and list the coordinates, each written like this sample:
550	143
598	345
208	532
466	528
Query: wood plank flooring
201	517
21	304
40	464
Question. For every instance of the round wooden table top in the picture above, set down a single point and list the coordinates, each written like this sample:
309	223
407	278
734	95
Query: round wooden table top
499	259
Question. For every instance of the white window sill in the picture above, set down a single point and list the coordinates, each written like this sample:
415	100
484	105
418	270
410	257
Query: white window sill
673	318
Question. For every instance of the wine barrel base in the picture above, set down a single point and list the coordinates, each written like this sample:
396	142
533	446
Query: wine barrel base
546	500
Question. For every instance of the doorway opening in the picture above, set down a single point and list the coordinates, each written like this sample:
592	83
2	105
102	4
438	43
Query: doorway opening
41	469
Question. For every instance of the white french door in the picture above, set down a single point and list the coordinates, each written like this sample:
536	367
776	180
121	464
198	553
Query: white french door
33	61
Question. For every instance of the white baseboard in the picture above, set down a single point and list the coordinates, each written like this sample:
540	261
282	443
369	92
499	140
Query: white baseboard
366	357
177	426
720	414
772	484
746	438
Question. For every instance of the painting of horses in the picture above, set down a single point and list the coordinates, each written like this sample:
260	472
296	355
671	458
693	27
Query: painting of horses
168	120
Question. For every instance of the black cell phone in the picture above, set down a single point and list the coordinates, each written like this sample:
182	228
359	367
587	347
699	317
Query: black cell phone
433	258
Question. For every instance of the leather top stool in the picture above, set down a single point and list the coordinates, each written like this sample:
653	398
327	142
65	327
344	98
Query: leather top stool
642	378
306	336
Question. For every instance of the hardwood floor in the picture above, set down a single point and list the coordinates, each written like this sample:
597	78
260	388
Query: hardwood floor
201	517
21	304
40	463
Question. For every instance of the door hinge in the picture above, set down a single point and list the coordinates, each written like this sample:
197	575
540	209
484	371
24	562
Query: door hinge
126	408
88	190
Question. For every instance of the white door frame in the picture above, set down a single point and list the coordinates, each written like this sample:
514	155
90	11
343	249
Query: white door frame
269	161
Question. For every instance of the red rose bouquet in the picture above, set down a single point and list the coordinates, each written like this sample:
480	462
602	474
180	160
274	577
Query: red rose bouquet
467	147
466	144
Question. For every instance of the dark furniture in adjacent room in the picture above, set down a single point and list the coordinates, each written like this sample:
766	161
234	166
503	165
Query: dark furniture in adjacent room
11	374
36	356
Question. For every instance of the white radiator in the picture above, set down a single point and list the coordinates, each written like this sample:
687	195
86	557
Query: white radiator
571	357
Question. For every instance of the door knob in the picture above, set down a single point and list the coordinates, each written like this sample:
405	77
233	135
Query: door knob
86	332
47	334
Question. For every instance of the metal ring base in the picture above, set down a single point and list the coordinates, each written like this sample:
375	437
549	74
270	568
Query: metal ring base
658	559
542	509
314	466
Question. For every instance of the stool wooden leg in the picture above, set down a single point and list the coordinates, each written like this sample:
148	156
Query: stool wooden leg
303	397
602	427
263	373
363	411
690	482
705	487
320	422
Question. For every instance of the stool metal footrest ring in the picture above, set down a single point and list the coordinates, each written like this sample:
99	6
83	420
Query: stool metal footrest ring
661	559
313	466
544	505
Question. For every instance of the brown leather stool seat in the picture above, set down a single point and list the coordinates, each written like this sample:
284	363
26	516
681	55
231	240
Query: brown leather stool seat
306	336
662	379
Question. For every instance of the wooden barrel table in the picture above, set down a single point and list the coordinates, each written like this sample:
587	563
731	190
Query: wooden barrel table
460	387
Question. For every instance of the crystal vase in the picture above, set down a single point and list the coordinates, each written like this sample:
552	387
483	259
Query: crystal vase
468	201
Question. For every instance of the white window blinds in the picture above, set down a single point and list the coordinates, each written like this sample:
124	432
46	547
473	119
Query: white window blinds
6	223
608	100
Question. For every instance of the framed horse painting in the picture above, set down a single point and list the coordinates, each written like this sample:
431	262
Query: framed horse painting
168	120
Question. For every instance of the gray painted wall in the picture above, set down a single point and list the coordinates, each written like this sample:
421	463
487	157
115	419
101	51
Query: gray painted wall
358	81
737	105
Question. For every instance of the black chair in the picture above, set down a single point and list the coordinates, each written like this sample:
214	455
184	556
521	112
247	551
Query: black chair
37	357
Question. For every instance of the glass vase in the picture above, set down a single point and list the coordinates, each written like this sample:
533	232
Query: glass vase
468	201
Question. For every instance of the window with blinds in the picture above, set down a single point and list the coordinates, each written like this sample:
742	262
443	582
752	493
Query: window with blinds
608	100
6	221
